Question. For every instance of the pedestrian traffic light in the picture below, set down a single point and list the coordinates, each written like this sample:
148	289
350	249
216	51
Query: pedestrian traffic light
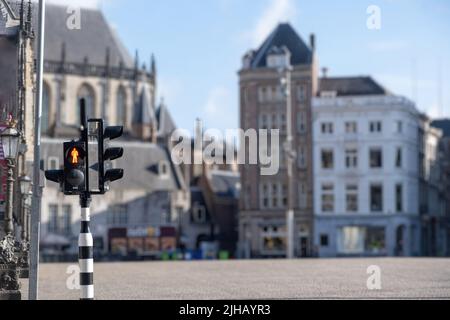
109	154
74	167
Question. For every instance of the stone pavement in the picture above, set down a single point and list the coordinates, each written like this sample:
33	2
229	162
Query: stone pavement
258	279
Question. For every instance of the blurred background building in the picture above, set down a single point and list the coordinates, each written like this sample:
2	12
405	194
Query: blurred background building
262	221
366	177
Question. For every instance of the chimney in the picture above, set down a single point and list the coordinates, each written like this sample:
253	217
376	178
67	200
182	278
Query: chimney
312	42
324	72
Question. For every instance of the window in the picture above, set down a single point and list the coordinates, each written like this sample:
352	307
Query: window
265	196
53	218
351	127
87	93
285	196
118	215
303	195
376	127
375	240
327	198
121	106
399	198
302	158
376	158
352	198
399	126
283	123
274	123
274	195
327	159
359	240
324	240
301	93
351	240
262	92
66	220
45	125
273	239
163	169
376	198
301	122
263	122
351	158
327	128
199	213
398	158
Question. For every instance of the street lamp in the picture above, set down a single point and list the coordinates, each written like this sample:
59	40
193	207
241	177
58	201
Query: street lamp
286	85
28	204
10	141
25	185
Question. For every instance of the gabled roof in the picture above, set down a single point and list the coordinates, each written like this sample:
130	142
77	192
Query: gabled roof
283	35
166	125
225	183
351	86
92	40
443	124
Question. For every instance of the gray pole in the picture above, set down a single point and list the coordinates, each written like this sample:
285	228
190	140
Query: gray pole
36	205
290	157
9	199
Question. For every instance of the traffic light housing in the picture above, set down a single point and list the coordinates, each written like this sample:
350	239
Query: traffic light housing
109	154
74	168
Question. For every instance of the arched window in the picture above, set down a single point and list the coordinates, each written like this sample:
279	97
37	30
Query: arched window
87	93
45	124
121	107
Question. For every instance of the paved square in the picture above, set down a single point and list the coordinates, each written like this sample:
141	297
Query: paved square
261	279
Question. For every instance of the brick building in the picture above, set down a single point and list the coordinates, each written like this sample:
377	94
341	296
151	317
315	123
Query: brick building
262	220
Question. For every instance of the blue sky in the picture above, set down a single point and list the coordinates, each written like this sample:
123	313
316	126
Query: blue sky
199	44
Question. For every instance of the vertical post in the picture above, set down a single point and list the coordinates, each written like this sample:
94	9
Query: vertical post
9	227
86	251
36	211
290	223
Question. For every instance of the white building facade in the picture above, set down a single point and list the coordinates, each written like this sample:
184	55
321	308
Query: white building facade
366	172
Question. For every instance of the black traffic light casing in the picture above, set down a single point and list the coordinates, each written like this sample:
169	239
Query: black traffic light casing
108	154
74	168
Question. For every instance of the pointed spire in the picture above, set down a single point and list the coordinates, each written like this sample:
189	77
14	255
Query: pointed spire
153	65
136	60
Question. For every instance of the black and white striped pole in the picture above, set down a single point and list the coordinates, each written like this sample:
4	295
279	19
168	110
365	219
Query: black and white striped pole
86	251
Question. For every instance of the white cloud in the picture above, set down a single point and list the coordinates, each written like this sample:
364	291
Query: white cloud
277	11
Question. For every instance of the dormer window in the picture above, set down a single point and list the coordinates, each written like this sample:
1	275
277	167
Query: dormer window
279	57
163	169
199	213
247	60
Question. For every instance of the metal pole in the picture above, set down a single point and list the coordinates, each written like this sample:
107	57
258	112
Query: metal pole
9	199
86	251
36	206
290	161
